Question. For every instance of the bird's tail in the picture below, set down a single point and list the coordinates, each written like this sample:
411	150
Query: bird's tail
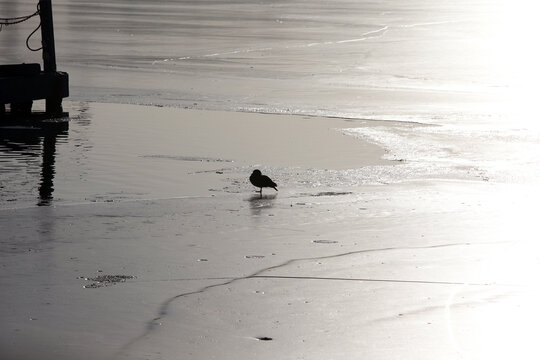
275	188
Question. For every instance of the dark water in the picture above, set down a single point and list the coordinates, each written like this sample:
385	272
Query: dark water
106	153
28	160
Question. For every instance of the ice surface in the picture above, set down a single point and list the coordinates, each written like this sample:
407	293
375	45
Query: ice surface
442	270
411	237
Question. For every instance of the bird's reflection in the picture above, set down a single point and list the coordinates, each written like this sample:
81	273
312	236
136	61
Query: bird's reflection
260	202
24	142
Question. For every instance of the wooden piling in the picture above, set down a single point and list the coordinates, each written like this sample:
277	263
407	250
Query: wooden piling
53	103
47	36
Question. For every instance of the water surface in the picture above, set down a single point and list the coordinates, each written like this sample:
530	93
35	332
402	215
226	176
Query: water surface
437	61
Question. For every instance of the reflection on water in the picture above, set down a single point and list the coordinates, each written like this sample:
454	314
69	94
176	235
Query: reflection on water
46	187
26	155
261	202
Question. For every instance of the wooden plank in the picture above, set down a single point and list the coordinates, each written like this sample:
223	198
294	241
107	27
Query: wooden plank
19	70
20	89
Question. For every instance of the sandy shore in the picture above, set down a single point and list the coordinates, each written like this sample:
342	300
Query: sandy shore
155	246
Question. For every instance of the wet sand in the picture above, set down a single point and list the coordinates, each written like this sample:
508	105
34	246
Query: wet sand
163	250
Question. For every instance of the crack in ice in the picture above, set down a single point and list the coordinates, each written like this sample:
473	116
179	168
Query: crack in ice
164	307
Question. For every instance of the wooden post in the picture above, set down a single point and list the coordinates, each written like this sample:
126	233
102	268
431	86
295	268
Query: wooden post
53	104
47	36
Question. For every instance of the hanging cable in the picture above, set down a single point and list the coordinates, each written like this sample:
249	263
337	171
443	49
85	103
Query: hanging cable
20	19
33	32
28	39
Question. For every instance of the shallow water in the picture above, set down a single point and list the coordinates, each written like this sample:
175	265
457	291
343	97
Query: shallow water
118	152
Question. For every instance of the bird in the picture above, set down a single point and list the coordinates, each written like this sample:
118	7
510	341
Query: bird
259	180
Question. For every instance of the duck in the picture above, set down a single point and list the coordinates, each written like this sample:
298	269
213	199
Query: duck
261	181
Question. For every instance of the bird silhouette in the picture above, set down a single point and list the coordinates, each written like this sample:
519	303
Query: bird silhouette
259	180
